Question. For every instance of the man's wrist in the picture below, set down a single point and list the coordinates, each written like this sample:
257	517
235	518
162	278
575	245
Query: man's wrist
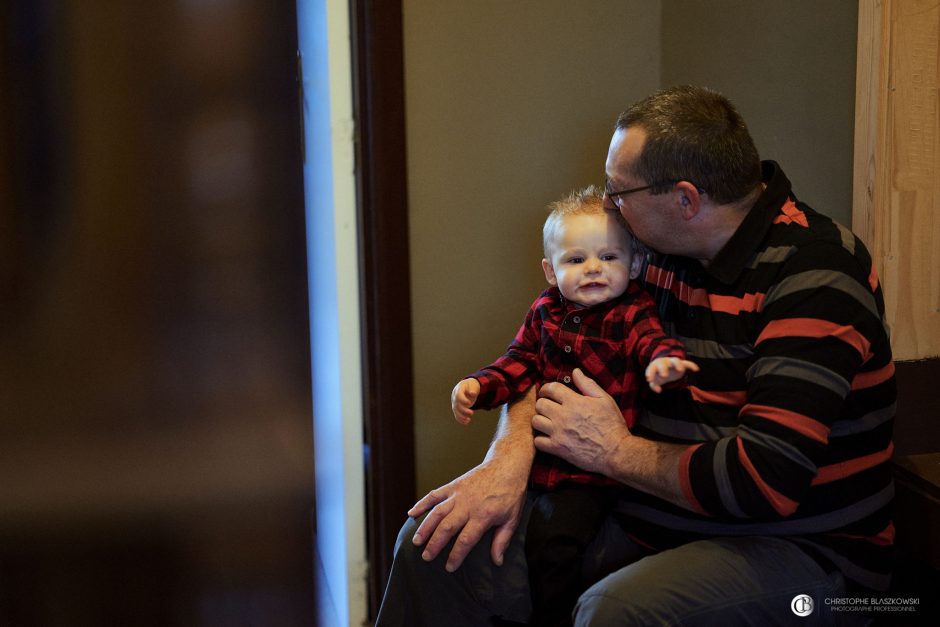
625	463
649	466
513	449
616	465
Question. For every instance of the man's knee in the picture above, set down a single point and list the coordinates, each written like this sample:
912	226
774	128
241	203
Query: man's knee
595	608
403	543
423	592
408	557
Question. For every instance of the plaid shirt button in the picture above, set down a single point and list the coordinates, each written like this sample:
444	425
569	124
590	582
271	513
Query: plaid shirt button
566	379
567	349
577	319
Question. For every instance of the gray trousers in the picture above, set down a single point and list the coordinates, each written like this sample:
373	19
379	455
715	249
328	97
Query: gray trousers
723	581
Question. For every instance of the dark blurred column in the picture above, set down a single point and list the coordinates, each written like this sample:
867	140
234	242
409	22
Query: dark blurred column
155	427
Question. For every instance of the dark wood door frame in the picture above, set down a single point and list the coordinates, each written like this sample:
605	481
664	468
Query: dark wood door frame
378	86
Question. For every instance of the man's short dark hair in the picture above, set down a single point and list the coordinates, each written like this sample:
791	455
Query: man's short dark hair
694	134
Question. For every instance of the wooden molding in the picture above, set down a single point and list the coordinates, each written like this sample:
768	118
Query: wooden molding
382	188
896	198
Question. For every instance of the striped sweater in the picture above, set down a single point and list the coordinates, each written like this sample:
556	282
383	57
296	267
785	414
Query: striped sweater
789	421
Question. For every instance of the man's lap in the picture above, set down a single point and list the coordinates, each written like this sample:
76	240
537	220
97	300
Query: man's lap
724	580
730	581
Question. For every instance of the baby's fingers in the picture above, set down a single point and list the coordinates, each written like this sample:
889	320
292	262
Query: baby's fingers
462	414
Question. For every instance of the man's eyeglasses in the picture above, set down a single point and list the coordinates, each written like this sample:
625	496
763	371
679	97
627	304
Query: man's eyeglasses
615	195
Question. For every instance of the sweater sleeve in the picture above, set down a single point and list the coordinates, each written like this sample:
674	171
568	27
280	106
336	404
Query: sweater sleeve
519	368
819	335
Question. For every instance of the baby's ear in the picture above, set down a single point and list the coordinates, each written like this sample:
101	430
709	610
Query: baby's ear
636	264
549	272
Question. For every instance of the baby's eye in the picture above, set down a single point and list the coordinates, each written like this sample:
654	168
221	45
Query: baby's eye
576	260
610	257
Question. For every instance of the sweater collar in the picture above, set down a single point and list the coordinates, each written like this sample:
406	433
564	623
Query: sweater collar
737	252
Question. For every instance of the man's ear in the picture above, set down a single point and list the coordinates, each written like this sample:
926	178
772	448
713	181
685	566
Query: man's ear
689	199
549	272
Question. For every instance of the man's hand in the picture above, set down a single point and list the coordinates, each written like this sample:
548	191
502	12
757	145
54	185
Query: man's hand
488	496
467	507
588	430
585	429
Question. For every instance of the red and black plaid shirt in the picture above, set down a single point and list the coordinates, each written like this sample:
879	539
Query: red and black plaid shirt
612	343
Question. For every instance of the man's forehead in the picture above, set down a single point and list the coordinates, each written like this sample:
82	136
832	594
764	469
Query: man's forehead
625	147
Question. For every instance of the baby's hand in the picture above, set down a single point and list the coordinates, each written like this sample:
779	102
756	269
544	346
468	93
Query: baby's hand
667	369
462	399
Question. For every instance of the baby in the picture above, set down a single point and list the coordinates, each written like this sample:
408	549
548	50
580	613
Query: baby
593	318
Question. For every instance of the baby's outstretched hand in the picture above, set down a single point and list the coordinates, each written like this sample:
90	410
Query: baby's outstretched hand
462	399
667	369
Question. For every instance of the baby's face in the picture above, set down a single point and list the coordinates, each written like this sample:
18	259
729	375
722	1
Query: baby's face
591	259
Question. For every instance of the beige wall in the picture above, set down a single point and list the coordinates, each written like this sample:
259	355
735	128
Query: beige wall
510	105
790	69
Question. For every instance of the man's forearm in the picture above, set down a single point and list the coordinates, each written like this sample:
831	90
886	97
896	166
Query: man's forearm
514	439
652	467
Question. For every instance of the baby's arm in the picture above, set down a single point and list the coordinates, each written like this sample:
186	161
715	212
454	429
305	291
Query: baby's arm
667	369
462	399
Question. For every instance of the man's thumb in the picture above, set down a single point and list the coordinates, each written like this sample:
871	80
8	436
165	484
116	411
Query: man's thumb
586	385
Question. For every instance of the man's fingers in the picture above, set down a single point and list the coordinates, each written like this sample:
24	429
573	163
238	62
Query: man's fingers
543	430
545	444
431	522
468	538
501	537
541	424
587	385
429	500
554	391
547	406
443	530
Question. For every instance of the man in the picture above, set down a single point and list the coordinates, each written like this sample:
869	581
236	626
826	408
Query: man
766	482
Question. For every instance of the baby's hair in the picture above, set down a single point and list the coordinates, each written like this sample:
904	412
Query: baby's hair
586	201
